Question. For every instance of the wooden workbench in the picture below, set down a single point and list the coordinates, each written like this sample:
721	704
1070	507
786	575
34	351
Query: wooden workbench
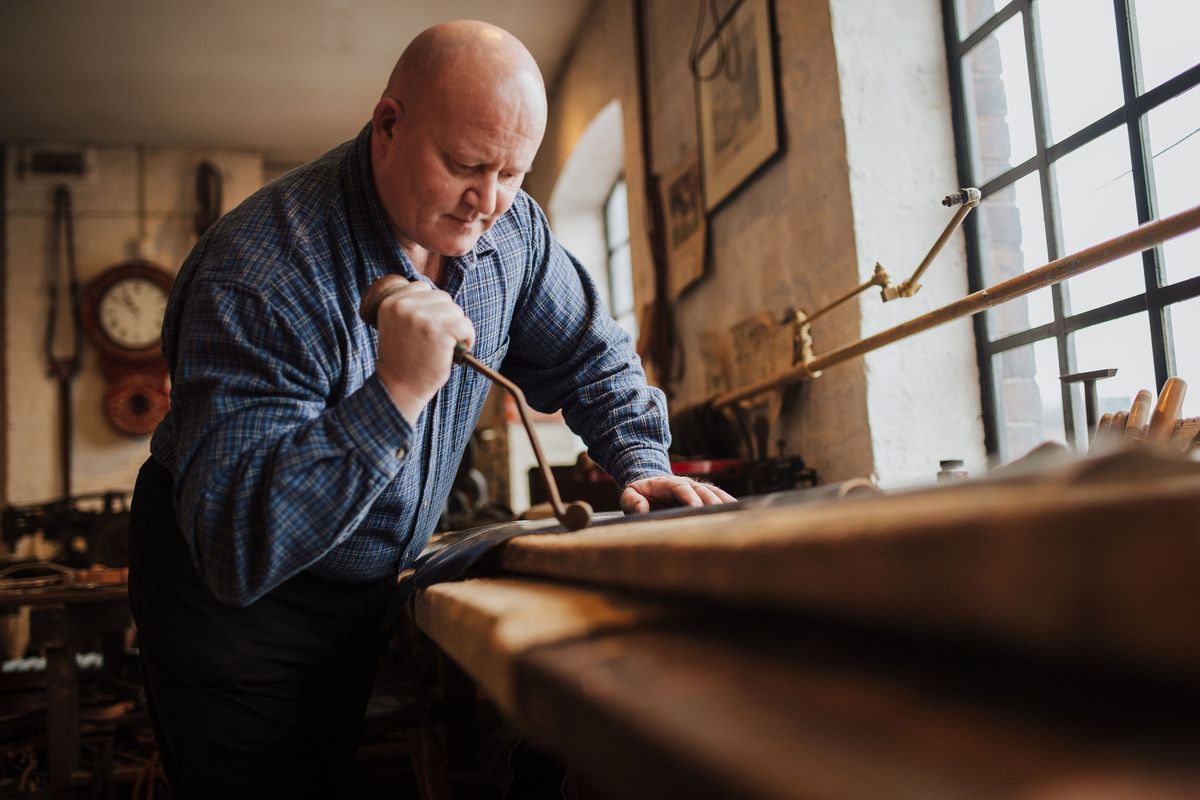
1037	637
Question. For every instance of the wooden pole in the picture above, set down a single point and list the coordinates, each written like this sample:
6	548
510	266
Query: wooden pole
1135	241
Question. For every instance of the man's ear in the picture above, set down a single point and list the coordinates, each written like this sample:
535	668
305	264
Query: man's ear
388	113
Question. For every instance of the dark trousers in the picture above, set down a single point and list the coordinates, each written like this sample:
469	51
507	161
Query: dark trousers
261	701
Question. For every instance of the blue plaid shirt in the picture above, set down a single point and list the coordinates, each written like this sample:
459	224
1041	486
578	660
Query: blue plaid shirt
286	449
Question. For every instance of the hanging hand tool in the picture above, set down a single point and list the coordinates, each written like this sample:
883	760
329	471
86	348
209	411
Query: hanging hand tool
574	515
63	368
208	197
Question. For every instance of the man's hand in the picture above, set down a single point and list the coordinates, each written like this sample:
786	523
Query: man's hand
664	491
418	328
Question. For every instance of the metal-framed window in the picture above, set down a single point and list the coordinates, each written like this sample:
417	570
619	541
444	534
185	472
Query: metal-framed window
620	263
1078	120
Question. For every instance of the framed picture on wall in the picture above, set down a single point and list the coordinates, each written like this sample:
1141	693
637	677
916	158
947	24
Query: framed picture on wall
683	211
736	100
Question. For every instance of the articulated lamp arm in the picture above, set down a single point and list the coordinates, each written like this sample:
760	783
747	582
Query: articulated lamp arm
965	199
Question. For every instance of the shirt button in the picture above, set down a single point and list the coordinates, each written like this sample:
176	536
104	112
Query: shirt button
401	452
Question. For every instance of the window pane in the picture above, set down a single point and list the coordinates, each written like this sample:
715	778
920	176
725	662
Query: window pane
1167	33
616	216
1175	143
1081	62
1122	343
620	277
1185	333
1095	195
996	79
1012	240
972	14
1029	398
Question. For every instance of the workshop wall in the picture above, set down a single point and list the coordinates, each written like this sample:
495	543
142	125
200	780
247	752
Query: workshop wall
786	238
867	156
923	398
132	201
601	66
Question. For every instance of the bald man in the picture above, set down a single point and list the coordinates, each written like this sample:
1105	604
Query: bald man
307	457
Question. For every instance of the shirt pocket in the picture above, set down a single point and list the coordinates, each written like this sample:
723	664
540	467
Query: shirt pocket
473	392
475	385
496	357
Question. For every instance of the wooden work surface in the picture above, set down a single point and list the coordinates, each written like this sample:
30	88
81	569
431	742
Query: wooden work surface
647	701
1032	639
1103	565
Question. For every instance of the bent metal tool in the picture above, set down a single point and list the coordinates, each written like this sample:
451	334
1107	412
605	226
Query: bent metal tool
574	515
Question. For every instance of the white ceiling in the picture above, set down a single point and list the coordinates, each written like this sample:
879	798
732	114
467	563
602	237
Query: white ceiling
290	77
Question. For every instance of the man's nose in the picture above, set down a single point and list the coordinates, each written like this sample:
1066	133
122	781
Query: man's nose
481	196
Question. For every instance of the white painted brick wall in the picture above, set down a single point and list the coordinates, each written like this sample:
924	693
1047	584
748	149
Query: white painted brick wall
923	392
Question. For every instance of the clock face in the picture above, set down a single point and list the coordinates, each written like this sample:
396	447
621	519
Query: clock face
131	312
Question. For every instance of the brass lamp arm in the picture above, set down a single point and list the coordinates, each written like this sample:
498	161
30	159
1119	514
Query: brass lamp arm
965	199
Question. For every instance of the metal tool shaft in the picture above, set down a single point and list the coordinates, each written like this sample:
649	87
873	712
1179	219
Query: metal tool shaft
574	515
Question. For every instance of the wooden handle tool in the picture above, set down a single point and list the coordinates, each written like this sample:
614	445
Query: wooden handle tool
1119	420
1139	415
574	515
1166	413
1104	435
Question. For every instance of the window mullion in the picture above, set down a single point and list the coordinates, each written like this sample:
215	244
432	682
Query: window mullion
1162	349
984	30
964	152
1158	298
1050	212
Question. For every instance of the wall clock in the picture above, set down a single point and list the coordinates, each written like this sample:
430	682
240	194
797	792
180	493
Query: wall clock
123	311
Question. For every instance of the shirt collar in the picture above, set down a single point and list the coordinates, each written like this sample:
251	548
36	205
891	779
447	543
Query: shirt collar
485	244
372	232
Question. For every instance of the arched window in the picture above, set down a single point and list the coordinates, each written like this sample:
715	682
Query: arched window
589	212
620	265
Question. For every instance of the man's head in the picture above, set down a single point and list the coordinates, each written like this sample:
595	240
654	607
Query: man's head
454	134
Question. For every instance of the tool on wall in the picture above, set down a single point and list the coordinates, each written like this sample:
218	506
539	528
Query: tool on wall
574	515
208	197
62	365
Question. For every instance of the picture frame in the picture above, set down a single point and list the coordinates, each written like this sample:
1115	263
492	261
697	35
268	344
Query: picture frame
736	101
682	200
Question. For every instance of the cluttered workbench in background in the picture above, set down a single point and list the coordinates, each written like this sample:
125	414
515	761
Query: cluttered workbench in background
71	610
